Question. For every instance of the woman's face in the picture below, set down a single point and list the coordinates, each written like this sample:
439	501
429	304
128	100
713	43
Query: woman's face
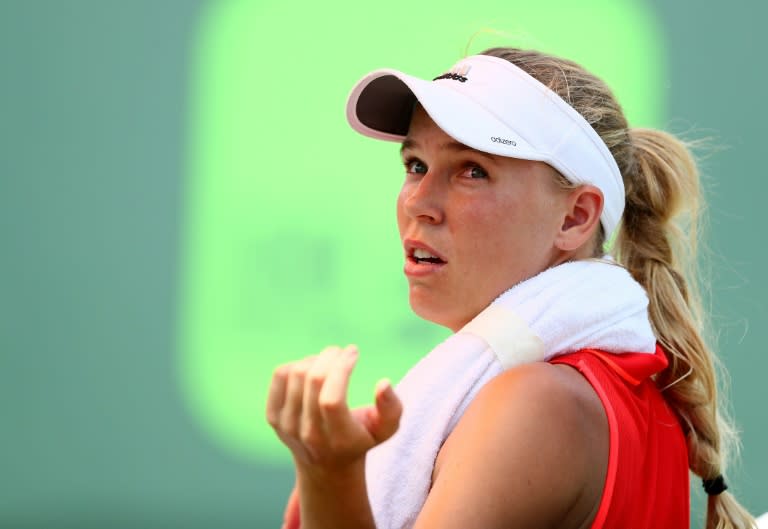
472	224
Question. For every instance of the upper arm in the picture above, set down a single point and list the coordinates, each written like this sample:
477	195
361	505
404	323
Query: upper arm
530	451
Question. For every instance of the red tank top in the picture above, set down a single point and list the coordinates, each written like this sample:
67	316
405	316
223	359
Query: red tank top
646	485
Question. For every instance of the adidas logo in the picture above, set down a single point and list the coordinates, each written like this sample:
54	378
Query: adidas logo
456	74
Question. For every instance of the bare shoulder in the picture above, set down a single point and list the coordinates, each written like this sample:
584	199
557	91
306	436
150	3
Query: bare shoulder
531	450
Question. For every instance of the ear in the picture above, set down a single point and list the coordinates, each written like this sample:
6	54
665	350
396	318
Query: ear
584	205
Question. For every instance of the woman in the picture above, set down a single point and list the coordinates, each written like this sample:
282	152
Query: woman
576	391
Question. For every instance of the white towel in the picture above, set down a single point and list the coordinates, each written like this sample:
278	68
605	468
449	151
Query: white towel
577	305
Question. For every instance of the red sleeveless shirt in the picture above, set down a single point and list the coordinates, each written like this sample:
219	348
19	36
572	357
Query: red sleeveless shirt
646	485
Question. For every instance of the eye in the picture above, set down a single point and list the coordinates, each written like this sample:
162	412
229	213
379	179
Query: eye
414	165
476	172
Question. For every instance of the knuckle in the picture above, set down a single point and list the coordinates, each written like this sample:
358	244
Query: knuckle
300	367
316	379
290	430
299	372
281	371
330	405
273	419
308	434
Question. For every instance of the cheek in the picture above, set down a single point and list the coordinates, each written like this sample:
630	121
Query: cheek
488	223
401	216
502	235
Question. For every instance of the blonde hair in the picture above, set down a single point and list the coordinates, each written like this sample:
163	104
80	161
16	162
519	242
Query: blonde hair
656	242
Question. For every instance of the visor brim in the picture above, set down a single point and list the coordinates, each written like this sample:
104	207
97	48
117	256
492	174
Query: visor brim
381	105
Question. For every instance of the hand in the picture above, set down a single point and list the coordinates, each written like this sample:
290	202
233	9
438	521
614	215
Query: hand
307	407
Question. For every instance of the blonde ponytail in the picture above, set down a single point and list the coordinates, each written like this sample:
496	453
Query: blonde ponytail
657	244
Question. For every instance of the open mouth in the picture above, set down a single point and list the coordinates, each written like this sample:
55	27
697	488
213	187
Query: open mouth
419	255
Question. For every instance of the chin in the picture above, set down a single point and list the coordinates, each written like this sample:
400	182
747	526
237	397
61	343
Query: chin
435	313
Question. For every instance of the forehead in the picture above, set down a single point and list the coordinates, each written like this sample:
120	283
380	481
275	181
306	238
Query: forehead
423	132
422	123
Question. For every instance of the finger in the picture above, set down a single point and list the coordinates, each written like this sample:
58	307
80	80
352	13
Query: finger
333	395
276	396
387	413
291	414
292	518
311	416
365	415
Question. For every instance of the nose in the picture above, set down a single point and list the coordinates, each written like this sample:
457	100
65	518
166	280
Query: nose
422	199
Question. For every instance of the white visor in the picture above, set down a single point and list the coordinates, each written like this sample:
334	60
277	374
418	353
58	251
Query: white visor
491	105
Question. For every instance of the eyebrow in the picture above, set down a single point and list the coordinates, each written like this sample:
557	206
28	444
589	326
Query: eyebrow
454	146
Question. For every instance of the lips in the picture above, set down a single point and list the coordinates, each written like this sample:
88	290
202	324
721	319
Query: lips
423	256
421	259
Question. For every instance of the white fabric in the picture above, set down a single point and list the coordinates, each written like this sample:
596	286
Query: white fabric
573	306
491	105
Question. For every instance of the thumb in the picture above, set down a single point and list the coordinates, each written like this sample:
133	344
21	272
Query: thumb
386	413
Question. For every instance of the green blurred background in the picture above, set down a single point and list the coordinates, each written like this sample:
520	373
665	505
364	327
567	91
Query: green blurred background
182	207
